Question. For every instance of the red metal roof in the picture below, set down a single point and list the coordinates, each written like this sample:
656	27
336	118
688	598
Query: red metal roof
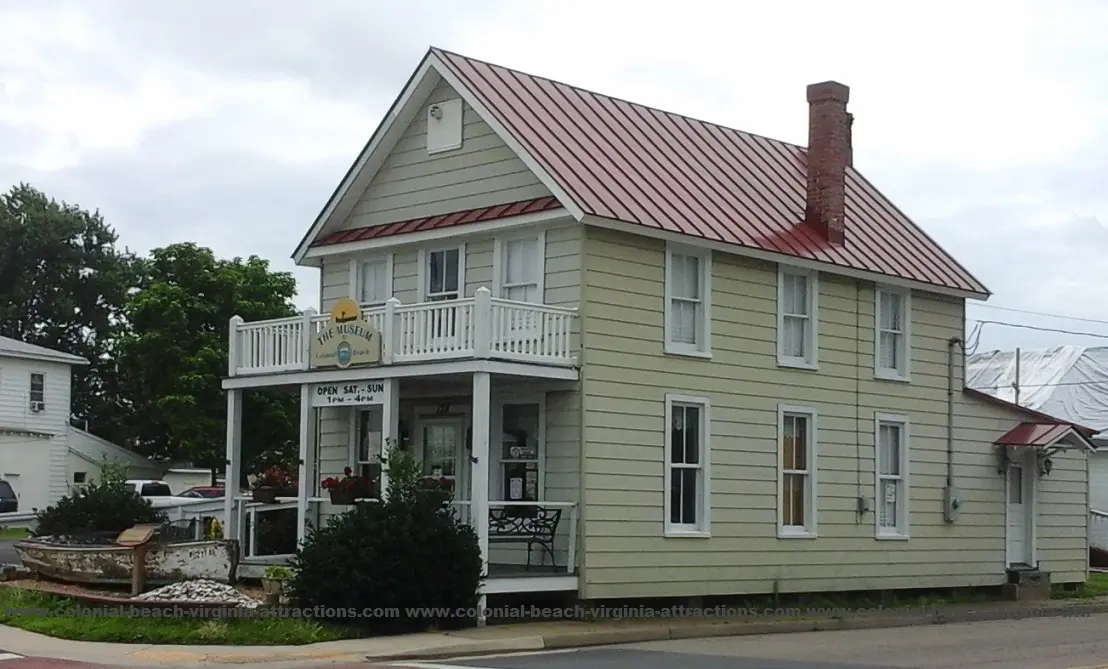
1035	434
441	221
632	163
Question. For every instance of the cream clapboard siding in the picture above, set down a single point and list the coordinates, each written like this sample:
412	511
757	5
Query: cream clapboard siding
414	184
626	377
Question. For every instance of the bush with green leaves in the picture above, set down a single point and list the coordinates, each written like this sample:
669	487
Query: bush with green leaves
408	550
103	506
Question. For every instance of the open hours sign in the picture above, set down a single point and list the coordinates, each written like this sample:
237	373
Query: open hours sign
348	394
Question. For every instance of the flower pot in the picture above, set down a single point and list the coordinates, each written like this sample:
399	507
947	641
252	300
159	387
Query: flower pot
273	586
288	492
344	497
265	495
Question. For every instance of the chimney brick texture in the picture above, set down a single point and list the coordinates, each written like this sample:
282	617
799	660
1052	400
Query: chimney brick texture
829	154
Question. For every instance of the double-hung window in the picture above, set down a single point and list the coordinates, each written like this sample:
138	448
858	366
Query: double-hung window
687	451
519	268
796	483
892	322
365	458
442	276
797	321
891	475
38	392
688	304
372	279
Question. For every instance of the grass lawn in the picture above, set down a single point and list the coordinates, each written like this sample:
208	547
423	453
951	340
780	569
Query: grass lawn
52	615
1096	586
14	533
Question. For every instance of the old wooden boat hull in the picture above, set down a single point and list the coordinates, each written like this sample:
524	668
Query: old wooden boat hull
112	564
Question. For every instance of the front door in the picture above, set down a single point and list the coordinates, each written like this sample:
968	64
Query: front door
1020	491
443	452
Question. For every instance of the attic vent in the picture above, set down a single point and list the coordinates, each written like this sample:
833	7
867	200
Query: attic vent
444	126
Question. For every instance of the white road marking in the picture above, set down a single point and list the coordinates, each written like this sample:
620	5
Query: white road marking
430	665
10	656
475	658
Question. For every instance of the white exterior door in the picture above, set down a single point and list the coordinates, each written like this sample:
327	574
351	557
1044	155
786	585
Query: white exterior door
444	454
1019	509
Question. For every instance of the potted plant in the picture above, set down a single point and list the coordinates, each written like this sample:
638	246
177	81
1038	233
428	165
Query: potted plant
272	483
348	488
273	583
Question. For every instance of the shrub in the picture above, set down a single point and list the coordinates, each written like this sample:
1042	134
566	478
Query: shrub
408	550
104	506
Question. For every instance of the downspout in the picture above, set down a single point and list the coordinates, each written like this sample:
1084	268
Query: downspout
951	498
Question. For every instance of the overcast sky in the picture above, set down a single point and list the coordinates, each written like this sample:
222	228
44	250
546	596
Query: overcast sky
229	122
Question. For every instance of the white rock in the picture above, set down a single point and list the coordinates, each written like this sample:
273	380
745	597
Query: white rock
200	591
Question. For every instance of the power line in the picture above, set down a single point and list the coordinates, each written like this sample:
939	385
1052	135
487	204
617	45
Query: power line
1040	328
1041	313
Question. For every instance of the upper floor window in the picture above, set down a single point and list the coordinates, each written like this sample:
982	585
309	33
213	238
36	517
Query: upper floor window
892	346
687	482
38	391
688	302
796	482
796	318
891	465
374	280
519	268
443	273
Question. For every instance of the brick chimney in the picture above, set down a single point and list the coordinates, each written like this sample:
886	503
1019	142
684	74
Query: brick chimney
829	154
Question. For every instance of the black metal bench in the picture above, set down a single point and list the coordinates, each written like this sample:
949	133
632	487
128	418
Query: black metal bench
531	525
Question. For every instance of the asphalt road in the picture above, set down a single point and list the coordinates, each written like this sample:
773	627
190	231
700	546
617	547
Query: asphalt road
1042	643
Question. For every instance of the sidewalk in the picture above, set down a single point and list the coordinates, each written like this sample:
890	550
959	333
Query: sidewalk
525	636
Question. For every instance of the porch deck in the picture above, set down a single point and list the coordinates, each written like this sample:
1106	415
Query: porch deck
479	327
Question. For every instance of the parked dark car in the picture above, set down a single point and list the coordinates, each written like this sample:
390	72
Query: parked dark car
8	501
203	492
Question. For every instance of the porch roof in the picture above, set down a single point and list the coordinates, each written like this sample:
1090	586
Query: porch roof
1044	435
482	214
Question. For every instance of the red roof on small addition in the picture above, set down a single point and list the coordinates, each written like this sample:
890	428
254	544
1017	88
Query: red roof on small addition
442	221
628	162
1034	434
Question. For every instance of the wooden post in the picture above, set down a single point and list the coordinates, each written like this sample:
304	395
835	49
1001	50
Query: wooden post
1016	383
232	472
479	477
138	569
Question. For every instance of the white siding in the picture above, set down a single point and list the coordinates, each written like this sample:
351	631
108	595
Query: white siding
49	464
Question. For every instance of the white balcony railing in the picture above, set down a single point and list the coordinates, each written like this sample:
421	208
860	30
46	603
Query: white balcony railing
477	327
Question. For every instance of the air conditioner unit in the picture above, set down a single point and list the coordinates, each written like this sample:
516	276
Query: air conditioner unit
38	407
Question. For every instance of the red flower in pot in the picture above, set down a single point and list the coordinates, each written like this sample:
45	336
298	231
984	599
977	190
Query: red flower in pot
348	488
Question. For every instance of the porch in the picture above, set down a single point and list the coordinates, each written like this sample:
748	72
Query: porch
503	443
478	327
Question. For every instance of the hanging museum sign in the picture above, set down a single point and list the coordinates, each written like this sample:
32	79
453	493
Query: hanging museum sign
346	339
348	394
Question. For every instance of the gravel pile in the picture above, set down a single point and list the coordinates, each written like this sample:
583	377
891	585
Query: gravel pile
199	591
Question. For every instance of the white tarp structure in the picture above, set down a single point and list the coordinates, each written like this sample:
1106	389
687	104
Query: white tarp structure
1068	382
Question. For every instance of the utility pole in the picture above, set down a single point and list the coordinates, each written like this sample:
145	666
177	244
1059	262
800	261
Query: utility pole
1016	382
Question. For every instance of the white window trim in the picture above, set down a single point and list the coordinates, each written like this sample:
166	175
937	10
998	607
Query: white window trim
702	349
902	532
422	269
496	491
30	386
498	261
811	506
812	361
702	530
356	278
885	373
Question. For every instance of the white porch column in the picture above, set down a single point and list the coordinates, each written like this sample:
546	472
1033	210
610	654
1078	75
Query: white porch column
307	474
479	477
390	424
232	465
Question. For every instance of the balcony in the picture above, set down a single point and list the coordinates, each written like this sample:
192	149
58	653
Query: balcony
479	327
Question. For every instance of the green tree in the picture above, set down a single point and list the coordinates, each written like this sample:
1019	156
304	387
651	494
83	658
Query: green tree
63	283
174	357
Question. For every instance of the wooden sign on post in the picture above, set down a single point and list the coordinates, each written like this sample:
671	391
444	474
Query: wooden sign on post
138	538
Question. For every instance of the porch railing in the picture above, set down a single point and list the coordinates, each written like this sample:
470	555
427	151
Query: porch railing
477	327
567	528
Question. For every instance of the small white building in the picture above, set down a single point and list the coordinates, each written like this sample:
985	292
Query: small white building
41	454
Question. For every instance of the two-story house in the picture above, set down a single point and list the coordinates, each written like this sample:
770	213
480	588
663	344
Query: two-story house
42	456
681	359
